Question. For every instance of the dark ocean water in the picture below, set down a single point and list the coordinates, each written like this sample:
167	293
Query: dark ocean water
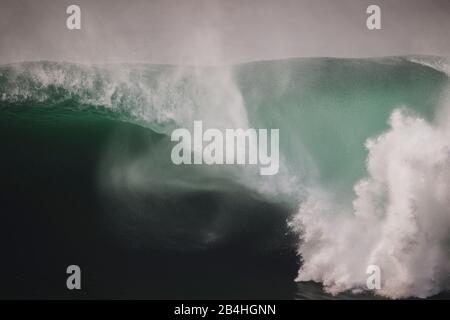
55	214
87	180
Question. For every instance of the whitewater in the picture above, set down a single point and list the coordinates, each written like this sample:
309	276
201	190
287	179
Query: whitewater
364	153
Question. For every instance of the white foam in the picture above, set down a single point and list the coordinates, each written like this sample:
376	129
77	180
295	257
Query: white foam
399	219
441	64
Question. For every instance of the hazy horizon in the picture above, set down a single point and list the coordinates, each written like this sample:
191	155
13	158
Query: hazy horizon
219	32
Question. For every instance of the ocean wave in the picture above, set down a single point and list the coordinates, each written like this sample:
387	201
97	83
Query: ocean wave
399	219
386	204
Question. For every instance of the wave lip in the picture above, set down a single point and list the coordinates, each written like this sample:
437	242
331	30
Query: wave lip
441	64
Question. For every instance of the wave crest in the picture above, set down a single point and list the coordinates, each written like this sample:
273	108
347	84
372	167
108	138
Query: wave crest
158	96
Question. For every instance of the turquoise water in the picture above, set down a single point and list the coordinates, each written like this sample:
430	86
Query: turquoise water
91	145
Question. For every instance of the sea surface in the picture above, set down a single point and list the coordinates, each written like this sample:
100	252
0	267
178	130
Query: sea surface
86	179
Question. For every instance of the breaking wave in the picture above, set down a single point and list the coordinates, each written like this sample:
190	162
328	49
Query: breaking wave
364	143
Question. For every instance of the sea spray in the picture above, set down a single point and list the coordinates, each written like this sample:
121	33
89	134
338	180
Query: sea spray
325	109
399	220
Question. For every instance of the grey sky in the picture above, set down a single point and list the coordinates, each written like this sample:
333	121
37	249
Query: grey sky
214	31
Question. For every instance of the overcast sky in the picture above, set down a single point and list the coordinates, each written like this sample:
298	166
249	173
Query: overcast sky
215	31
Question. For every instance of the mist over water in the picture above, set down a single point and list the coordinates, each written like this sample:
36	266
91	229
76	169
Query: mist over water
86	174
364	164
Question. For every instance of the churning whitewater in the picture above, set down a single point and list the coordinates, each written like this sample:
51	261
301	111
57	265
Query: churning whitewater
364	153
399	219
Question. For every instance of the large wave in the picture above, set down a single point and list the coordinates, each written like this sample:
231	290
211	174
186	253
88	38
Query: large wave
399	219
386	204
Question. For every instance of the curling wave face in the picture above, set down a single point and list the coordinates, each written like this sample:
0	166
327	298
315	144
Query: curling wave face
364	163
